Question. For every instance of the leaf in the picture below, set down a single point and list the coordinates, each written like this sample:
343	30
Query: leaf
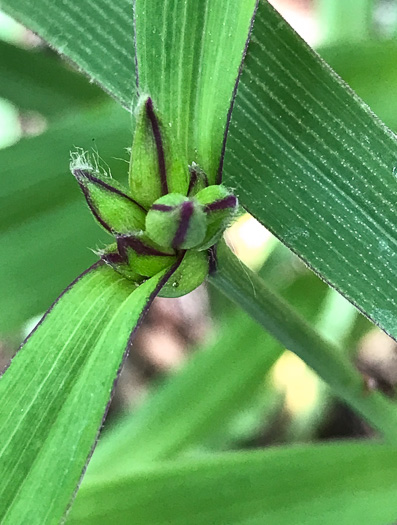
195	403
310	161
96	36
276	316
57	388
36	81
188	56
336	483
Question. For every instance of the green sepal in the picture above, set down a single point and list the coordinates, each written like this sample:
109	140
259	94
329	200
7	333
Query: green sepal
189	275
111	256
174	221
156	165
143	256
115	211
220	206
198	179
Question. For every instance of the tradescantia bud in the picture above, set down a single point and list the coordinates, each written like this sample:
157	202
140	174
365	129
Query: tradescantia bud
174	221
114	210
156	167
220	206
143	256
190	274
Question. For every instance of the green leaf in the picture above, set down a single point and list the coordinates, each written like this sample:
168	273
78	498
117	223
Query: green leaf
188	56
96	36
310	161
195	403
339	483
276	316
33	80
57	388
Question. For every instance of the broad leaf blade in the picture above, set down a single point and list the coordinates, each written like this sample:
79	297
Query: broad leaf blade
94	35
327	484
311	162
188	56
56	390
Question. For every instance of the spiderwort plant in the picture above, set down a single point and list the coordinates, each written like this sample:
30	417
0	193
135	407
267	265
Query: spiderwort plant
170	217
295	145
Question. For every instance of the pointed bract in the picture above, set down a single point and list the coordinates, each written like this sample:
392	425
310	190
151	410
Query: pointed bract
114	210
156	166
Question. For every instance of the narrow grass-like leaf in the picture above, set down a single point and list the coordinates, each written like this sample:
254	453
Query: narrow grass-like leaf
188	56
36	81
250	292
311	162
342	483
194	404
56	390
96	35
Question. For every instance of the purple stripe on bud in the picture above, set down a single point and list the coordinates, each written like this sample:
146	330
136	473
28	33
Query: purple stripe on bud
162	207
187	209
113	258
158	139
84	174
137	245
223	204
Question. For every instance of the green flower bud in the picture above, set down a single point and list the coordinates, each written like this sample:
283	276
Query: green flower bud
143	256
220	206
114	210
156	167
198	180
190	274
174	221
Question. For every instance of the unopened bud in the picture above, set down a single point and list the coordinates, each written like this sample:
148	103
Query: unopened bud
174	221
157	167
190	274
220	206
114	210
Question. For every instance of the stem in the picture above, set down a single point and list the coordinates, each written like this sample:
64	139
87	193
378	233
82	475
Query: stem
247	290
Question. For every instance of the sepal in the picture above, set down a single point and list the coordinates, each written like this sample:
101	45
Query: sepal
156	165
113	209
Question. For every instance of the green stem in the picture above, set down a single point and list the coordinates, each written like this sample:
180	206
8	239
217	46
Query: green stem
247	290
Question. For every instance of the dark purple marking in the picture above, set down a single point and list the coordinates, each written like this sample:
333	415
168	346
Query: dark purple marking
229	113
113	258
212	260
187	209
80	176
136	244
162	207
158	139
194	175
222	204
